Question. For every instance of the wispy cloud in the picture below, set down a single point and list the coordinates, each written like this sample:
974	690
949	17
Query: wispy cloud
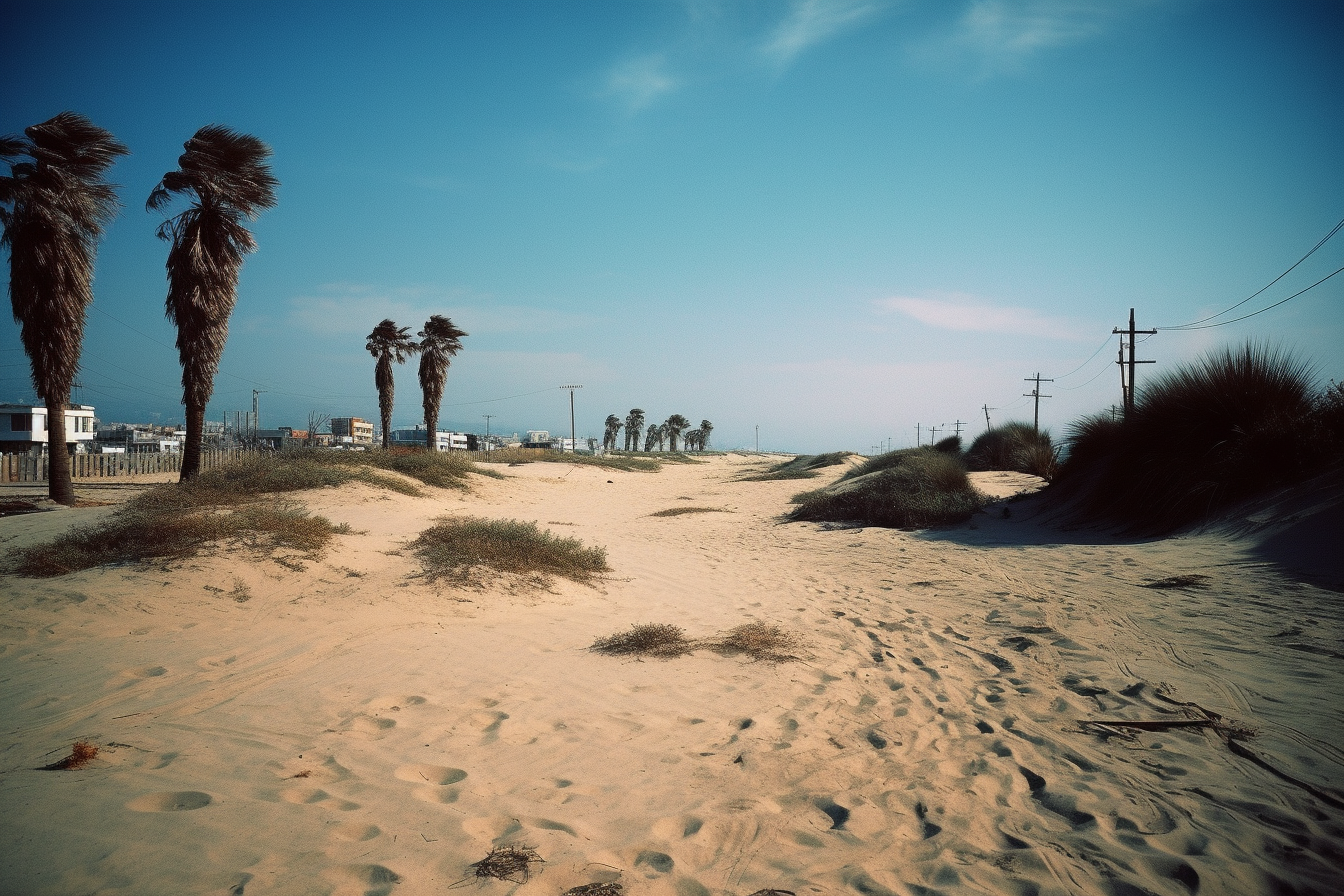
638	82
810	22
967	314
1002	34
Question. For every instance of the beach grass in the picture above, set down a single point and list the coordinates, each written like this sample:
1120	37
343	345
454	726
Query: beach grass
682	511
472	551
1015	447
625	462
804	466
656	639
759	641
1201	438
913	488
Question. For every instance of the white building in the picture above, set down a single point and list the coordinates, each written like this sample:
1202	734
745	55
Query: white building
23	428
417	437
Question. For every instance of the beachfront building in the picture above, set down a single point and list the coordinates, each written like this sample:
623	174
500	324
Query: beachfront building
416	437
131	438
23	428
351	432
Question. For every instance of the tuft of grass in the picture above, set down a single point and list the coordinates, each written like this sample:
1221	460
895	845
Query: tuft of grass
81	754
758	640
908	489
596	889
1201	438
155	526
626	462
655	639
463	549
681	511
804	466
1014	447
1190	580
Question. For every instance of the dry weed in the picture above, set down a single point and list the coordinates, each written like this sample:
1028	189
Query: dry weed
81	754
761	642
650	639
511	863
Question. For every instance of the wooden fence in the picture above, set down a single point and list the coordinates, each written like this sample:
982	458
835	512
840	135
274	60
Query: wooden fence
26	468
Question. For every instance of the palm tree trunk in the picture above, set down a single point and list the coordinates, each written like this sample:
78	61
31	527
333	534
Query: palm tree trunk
191	452
60	486
432	434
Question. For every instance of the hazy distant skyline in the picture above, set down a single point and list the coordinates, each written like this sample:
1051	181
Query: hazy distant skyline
834	220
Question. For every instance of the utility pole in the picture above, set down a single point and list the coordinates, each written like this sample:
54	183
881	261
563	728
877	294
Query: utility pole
1036	394
487	429
959	425
573	442
1131	332
256	412
758	438
918	436
933	433
987	423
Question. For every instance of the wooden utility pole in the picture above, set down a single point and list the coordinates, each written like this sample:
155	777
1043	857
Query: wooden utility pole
1129	386
987	424
918	436
1036	394
959	425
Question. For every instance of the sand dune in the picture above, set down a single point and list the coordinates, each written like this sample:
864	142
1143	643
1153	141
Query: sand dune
352	728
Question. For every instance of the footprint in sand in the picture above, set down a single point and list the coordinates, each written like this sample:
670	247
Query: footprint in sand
308	796
370	880
357	833
438	775
170	801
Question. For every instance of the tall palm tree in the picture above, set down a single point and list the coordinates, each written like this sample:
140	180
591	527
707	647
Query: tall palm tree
694	440
653	436
675	426
388	343
227	179
613	426
634	425
440	340
705	429
54	206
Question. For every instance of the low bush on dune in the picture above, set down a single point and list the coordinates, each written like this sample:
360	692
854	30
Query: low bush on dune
804	466
1014	447
909	489
1201	438
626	462
469	550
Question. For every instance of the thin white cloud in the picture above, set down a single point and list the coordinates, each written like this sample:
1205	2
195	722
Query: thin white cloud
810	22
966	314
640	81
1002	34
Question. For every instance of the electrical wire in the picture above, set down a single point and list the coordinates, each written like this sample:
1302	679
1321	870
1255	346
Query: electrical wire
1254	313
1194	325
1087	362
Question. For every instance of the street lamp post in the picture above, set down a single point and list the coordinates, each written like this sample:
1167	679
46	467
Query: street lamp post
573	440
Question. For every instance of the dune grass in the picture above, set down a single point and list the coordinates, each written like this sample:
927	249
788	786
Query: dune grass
471	551
1201	438
913	488
682	511
759	641
1014	447
656	639
804	466
626	462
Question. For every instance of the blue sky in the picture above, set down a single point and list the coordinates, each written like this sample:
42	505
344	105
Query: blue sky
832	220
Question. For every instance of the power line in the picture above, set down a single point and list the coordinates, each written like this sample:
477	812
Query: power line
1253	313
1194	325
1087	362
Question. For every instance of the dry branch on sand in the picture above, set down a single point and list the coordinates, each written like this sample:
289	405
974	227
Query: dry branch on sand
511	863
612	889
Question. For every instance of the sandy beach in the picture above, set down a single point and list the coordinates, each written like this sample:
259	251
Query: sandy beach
347	727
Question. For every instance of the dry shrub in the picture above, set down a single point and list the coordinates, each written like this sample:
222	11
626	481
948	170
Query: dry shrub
511	863
804	466
81	754
681	511
761	642
612	889
910	489
1190	580
459	548
625	462
649	639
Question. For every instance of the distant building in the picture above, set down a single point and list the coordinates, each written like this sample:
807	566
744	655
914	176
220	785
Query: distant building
351	432
23	428
418	436
538	438
130	438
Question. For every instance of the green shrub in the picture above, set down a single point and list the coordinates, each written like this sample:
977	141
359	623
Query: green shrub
629	463
463	549
804	466
909	489
949	445
1014	447
1201	438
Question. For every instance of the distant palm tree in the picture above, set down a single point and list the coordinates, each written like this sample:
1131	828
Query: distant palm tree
705	429
653	436
694	440
675	426
634	425
613	426
440	340
228	180
53	206
388	343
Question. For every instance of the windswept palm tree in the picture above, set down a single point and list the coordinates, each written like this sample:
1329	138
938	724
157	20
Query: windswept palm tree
634	425
675	426
694	440
440	340
54	206
226	176
613	426
705	429
653	436
388	343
